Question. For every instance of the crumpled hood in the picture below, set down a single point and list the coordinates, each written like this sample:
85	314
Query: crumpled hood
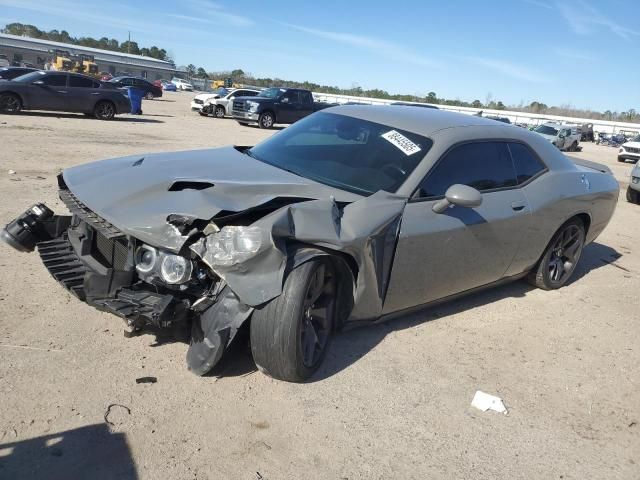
631	144
133	193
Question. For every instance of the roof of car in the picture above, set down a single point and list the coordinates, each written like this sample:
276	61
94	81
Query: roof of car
423	121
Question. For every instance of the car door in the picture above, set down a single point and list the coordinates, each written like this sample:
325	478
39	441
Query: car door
439	255
289	103
83	93
50	92
142	85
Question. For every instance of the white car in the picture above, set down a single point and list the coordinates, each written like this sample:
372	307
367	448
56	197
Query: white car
199	100
565	137
182	84
630	150
219	104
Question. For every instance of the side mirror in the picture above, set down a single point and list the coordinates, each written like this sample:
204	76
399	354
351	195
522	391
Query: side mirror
232	97
561	135
285	100
459	195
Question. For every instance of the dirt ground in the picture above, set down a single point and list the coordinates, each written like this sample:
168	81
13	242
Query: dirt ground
391	401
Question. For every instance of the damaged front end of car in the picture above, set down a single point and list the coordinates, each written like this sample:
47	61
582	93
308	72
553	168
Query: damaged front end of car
201	276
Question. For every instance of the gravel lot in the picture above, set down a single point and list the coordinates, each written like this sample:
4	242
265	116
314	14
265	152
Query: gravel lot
391	401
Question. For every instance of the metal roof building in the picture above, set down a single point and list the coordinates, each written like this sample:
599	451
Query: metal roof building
38	52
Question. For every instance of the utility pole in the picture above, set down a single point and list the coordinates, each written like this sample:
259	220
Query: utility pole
129	43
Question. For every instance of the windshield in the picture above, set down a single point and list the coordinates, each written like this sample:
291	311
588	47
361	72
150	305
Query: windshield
271	92
635	139
29	77
345	152
546	130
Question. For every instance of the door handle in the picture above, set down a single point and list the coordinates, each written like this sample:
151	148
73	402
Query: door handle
517	206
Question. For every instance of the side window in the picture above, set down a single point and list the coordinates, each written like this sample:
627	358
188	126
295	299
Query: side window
482	165
240	93
525	162
139	82
249	93
305	97
81	82
55	80
292	97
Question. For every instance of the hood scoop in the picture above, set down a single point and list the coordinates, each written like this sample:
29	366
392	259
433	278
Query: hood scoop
181	185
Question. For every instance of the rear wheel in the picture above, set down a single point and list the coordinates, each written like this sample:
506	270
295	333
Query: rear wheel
573	147
633	196
104	110
219	111
149	96
266	120
10	103
560	258
291	333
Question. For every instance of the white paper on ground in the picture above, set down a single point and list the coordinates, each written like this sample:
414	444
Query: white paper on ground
484	401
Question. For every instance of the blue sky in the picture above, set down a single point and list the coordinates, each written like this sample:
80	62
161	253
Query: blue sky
578	52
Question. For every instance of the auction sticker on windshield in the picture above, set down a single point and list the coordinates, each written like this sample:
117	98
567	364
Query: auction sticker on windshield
402	142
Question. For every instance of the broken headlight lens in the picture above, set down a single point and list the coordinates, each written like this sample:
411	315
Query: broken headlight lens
233	245
175	269
253	106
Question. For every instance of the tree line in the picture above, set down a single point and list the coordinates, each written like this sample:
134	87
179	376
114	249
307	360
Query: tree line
103	43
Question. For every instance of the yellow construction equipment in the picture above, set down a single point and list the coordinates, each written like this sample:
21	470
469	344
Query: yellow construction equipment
61	61
86	64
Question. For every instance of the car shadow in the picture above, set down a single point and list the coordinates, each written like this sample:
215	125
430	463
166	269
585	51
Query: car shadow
80	116
92	452
350	346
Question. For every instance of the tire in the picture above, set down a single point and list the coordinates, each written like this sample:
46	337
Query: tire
104	110
622	159
10	103
266	120
561	257
573	147
289	340
633	196
149	96
219	111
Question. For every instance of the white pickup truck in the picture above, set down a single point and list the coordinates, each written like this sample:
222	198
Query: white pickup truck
565	137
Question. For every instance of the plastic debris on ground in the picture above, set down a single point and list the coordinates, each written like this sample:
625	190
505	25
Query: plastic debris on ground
484	401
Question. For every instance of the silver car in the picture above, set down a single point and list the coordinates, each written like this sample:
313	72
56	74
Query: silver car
633	190
353	214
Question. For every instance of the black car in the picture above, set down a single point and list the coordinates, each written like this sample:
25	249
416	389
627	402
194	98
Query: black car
151	91
62	92
9	73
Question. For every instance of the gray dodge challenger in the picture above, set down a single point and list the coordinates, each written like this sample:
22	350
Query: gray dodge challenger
351	215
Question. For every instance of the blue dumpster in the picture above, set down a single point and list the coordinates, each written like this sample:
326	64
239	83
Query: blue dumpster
135	98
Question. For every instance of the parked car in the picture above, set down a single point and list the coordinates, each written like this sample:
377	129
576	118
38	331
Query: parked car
499	119
275	105
151	91
351	215
564	137
633	190
182	84
168	87
630	150
9	73
423	105
62	92
220	104
4	61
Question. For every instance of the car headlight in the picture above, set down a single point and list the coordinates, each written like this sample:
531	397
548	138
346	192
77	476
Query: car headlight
621	150
146	258
635	180
253	106
233	245
175	269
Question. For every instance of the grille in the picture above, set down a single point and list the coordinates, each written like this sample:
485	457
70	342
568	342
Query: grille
63	264
239	106
632	149
109	251
78	208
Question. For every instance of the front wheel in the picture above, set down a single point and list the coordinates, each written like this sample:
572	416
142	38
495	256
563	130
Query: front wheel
104	111
10	103
219	111
291	333
633	196
560	258
266	120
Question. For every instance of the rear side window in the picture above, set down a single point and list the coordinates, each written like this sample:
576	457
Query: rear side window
292	96
525	162
305	97
55	80
481	165
82	82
